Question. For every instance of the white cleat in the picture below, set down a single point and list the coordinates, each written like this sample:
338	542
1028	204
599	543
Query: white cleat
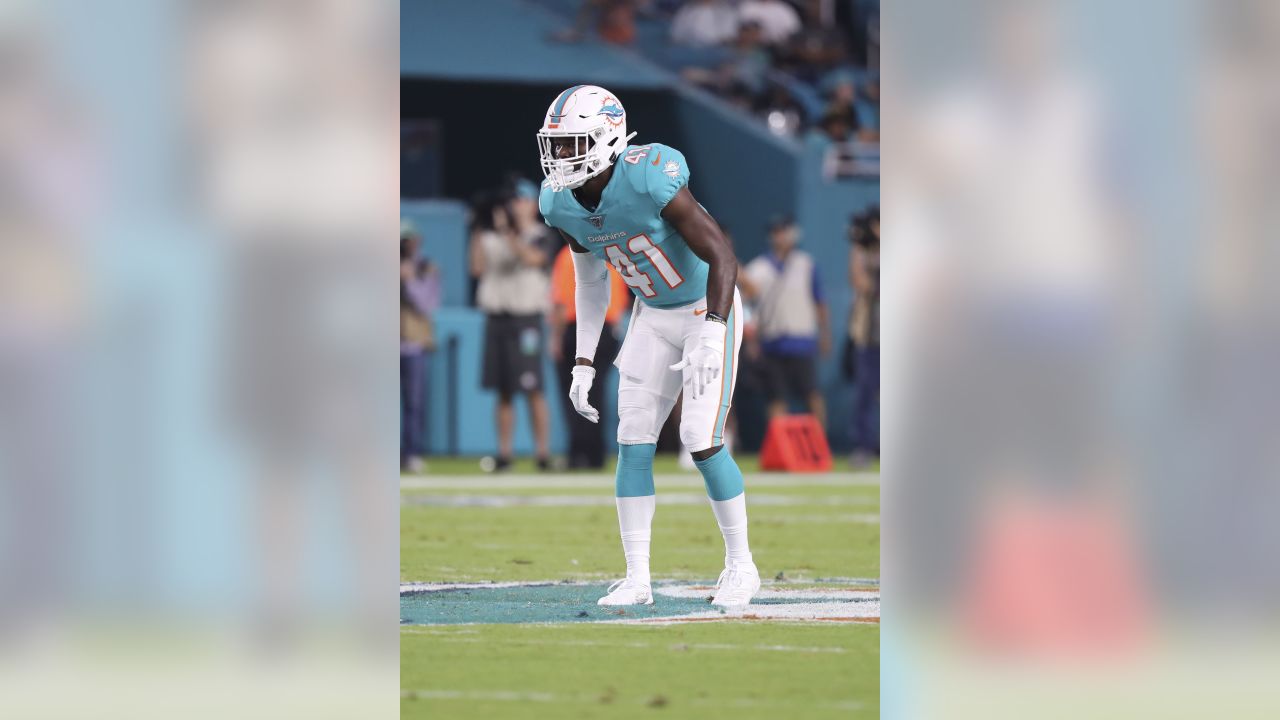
628	592
737	585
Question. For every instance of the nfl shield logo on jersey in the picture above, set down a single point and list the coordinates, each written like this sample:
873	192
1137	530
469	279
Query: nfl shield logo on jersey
597	220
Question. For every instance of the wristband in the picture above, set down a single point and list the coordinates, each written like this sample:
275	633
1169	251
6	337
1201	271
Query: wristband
712	317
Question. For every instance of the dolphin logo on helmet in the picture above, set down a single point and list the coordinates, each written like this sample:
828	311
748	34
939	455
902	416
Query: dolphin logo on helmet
596	123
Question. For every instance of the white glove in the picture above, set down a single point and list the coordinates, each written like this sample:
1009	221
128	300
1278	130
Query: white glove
702	364
583	376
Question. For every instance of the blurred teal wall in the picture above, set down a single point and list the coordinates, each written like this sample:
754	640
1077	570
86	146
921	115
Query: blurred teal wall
443	227
475	406
742	174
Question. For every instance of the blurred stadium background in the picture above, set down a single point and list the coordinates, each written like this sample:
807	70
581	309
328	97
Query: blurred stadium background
787	128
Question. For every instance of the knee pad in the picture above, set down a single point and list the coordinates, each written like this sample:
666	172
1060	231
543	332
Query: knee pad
637	417
694	435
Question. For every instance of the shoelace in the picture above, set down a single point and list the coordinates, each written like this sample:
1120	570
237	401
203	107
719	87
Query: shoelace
735	577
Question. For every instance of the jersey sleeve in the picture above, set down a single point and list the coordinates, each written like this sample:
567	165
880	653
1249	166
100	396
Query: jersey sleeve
667	172
546	203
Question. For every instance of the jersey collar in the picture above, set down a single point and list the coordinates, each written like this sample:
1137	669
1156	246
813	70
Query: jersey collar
604	194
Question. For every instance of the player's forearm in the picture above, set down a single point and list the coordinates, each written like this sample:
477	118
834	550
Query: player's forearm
722	276
590	300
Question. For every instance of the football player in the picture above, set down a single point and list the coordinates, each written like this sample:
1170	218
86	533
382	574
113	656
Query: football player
630	206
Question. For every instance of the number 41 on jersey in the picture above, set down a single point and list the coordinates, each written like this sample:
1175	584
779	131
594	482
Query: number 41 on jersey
633	276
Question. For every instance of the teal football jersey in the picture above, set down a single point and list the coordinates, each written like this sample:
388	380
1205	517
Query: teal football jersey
628	231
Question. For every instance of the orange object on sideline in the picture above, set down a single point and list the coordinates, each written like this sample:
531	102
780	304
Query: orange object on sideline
795	443
562	289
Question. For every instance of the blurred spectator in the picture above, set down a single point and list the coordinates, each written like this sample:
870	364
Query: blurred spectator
586	439
844	96
843	155
615	22
862	351
526	219
743	74
704	23
812	53
419	298
778	21
867	109
792	319
508	258
780	110
838	123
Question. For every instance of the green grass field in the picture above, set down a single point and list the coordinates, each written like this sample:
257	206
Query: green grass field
460	526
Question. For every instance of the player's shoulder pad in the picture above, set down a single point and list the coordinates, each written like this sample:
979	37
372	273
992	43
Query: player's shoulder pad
546	203
666	172
659	173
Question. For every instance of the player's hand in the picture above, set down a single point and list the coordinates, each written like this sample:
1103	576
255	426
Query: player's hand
583	376
701	365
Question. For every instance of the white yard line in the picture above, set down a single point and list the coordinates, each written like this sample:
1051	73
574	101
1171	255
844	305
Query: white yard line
603	500
775	593
770	588
570	481
823	611
433	587
640	645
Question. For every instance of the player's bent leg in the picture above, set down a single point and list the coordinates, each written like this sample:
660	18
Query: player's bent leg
740	580
702	432
638	425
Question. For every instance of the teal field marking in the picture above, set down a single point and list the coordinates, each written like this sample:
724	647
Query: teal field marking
570	602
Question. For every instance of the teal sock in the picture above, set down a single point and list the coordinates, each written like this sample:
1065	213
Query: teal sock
721	475
635	470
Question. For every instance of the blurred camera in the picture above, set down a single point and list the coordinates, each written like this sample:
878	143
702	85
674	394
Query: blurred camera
864	227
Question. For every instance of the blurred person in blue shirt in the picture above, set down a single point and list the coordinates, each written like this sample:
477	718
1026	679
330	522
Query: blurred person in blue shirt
792	318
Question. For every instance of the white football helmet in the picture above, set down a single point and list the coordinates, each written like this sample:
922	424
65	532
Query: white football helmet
594	120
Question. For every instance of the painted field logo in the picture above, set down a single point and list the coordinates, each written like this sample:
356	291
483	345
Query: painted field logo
451	604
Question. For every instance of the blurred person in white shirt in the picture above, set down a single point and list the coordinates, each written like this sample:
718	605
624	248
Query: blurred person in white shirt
510	262
777	19
704	23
